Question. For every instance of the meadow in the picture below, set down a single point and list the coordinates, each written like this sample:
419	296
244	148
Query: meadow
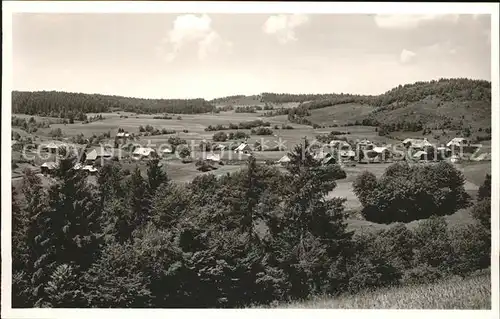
473	292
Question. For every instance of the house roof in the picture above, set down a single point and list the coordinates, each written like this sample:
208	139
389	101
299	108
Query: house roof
167	149
242	147
49	165
456	141
284	159
379	149
89	168
143	151
349	153
419	154
98	152
321	155
328	159
417	142
213	157
122	134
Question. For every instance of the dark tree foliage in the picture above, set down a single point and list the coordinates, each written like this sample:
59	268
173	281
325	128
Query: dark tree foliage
484	191
405	193
66	105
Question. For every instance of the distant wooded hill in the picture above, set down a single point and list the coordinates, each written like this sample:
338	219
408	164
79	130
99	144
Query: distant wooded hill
66	105
440	103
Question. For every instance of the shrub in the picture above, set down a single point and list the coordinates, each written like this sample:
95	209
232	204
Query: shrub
220	137
262	131
165	131
485	189
407	193
432	244
482	212
471	245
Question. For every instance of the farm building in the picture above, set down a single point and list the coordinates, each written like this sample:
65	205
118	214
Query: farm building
167	150
377	154
244	148
458	141
220	147
285	159
53	146
213	157
416	143
347	155
321	155
329	160
123	135
420	155
365	145
97	154
48	167
443	152
86	168
143	153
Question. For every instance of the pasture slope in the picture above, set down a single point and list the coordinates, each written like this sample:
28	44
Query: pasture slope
473	292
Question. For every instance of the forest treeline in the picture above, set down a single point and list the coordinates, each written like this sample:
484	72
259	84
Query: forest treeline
67	105
255	236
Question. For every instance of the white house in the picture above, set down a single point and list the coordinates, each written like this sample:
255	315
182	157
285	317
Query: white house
96	154
458	141
48	167
213	157
347	154
416	143
285	159
167	150
123	135
143	152
243	148
420	155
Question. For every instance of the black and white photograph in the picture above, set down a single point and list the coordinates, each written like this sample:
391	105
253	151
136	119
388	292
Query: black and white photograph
254	158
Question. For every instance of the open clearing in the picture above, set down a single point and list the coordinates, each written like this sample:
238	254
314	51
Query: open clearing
456	293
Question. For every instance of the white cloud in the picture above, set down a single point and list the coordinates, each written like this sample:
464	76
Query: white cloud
401	21
190	28
407	56
283	26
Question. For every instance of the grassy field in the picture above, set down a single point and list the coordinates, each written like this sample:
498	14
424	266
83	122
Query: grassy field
456	293
339	114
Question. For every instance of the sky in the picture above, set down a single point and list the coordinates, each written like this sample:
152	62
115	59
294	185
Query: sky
214	55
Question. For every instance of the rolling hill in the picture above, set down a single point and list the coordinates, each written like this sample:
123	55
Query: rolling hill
445	103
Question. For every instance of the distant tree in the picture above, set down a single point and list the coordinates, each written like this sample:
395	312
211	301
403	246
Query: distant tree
485	189
220	137
156	175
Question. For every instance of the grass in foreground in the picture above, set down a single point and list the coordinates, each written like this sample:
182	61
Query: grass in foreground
469	293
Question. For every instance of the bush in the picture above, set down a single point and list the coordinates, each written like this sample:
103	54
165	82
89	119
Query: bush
220	137
262	131
471	245
485	189
482	212
407	193
433	245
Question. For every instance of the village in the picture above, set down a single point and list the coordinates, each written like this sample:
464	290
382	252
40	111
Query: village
341	152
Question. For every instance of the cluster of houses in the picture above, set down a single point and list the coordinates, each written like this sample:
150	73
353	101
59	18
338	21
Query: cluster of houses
336	152
365	151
